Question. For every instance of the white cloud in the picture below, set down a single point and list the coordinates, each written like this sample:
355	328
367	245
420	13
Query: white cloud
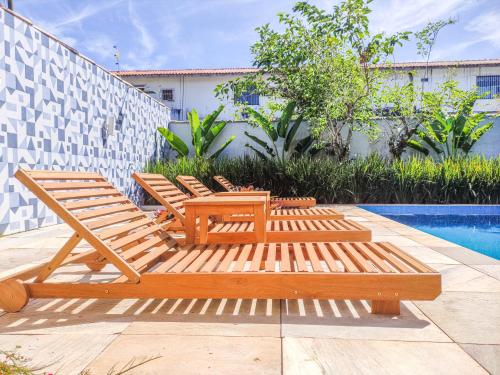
145	39
487	25
398	15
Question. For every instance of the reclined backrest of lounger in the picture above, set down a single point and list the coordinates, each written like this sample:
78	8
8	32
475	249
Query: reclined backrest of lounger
164	191
98	213
225	183
195	186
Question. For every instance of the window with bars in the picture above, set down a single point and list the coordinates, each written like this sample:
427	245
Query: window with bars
489	85
167	95
248	97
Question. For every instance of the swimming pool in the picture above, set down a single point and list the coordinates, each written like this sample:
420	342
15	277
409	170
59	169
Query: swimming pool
476	227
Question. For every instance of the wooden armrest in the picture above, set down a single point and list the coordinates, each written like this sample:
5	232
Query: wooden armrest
243	193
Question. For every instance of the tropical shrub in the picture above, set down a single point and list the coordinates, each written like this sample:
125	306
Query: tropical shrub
452	127
284	129
370	180
203	134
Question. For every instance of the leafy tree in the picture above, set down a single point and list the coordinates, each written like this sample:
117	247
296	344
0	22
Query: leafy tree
402	106
324	63
203	134
281	134
451	127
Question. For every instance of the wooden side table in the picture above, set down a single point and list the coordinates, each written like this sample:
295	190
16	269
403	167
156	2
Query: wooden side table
203	207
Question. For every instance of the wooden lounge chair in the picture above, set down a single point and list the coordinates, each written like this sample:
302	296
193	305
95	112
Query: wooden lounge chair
151	265
281	201
198	189
174	200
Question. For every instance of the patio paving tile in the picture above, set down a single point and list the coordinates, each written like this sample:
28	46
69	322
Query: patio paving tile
70	316
488	356
68	356
467	317
332	356
490	269
427	255
192	355
395	240
458	278
208	318
464	255
353	320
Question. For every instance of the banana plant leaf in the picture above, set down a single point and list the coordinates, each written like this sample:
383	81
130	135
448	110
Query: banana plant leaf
257	152
216	154
291	134
174	141
196	132
417	146
209	120
212	133
264	123
303	145
261	143
285	118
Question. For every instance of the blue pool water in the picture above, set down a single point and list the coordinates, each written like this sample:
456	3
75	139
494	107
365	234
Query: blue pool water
474	227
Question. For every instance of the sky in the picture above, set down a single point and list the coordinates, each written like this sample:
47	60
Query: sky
177	34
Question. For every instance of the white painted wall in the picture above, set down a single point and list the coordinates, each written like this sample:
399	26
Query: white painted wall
197	91
488	146
190	92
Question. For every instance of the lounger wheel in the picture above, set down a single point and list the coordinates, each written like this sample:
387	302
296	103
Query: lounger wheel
13	295
95	266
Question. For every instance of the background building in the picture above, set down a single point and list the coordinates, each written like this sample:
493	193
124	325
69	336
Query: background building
183	90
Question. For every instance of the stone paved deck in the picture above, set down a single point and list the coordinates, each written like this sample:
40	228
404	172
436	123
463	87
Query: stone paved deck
459	333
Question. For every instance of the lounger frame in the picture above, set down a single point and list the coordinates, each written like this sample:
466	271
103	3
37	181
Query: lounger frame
152	265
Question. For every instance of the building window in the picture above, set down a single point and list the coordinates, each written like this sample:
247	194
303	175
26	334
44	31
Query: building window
167	95
176	114
248	97
489	85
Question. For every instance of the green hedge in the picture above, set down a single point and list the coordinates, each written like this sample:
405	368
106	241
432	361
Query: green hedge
370	180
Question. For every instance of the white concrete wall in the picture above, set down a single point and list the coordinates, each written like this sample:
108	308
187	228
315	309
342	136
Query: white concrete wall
197	91
488	146
466	78
191	92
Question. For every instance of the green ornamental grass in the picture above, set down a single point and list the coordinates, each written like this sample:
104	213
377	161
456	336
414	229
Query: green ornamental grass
373	179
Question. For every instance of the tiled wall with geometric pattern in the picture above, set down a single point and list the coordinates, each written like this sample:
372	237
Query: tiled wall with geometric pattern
60	111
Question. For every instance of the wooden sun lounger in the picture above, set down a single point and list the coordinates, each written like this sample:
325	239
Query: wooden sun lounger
152	265
295	202
198	189
244	230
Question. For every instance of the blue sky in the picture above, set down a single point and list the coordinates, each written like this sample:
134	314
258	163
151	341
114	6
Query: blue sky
175	34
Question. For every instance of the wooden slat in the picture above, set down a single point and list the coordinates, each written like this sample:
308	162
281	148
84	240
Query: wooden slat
90	193
170	262
344	259
61	175
313	257
116	244
225	265
285	265
73	185
88	203
146	245
151	256
327	257
242	259
257	258
271	258
98	212
114	219
214	259
200	260
125	228
299	257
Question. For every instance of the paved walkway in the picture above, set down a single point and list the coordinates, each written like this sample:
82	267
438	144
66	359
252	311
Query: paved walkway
459	333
